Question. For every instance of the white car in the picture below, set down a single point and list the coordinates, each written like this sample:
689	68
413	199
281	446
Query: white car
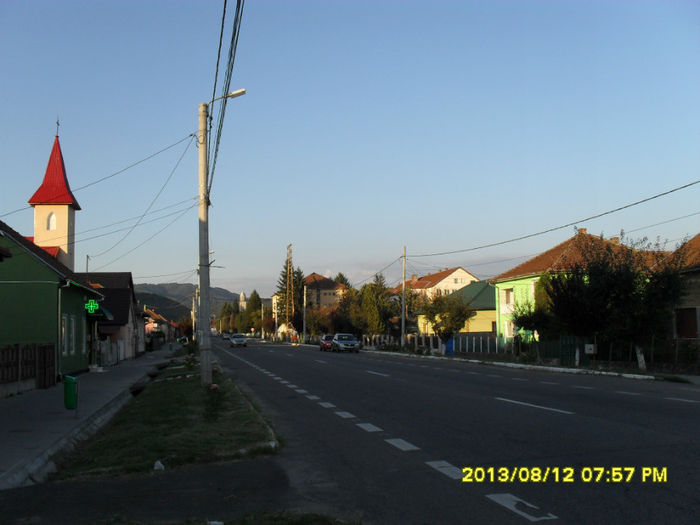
239	340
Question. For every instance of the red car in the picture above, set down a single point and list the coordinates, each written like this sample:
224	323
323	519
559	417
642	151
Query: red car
326	343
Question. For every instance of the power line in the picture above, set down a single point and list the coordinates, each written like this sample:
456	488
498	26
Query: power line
562	226
380	271
164	274
664	222
151	237
152	202
237	18
113	174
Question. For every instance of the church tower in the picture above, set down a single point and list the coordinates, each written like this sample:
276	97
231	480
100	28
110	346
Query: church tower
54	211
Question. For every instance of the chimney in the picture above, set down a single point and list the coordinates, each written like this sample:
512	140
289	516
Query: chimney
615	240
582	230
414	278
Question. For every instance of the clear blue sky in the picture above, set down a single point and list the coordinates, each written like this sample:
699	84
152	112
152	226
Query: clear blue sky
367	126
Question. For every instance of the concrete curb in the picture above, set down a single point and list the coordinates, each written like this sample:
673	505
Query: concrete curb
36	470
523	366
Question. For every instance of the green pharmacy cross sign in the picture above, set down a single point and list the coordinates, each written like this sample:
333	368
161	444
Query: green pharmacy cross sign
92	306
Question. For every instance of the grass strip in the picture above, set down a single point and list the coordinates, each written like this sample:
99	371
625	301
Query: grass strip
176	421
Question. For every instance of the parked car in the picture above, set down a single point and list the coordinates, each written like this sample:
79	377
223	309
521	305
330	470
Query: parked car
345	343
239	340
225	335
326	343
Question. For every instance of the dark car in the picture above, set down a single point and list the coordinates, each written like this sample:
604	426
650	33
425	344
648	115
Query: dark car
326	343
345	343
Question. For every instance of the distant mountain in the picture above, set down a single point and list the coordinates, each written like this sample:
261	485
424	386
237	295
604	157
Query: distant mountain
184	292
168	308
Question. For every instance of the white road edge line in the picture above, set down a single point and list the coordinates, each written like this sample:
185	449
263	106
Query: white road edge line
446	468
681	399
376	373
533	406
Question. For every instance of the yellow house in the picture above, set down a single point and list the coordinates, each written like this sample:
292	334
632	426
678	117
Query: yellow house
481	296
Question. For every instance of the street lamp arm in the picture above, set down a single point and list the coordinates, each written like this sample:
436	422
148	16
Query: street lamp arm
233	94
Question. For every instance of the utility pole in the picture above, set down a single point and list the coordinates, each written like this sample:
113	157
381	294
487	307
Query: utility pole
303	339
203	324
403	301
204	306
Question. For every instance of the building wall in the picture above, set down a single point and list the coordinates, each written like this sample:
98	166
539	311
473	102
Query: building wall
448	284
64	234
29	305
481	322
29	309
508	294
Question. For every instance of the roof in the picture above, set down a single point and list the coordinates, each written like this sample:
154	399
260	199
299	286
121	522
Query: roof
559	258
428	281
155	316
118	290
55	188
693	253
480	295
316	280
43	257
51	250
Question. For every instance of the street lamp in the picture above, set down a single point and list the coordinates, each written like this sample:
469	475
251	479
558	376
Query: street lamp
204	321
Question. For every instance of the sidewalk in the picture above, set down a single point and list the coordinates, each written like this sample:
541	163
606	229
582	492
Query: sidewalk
36	425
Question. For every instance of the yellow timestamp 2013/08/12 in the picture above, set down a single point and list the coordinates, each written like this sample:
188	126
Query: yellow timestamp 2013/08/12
564	474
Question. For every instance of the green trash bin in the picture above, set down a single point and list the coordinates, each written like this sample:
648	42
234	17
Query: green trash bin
70	392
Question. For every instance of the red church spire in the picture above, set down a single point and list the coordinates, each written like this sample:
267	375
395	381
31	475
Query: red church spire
55	188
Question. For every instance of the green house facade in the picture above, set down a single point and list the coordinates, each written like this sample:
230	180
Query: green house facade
42	302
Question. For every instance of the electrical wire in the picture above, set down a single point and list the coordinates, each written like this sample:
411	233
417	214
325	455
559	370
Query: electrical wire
113	174
238	16
380	271
664	222
164	274
152	201
559	227
144	242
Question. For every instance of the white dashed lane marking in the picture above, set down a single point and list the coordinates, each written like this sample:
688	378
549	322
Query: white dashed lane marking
326	404
312	397
345	415
402	445
369	427
627	393
519	379
548	383
446	468
583	387
377	373
301	391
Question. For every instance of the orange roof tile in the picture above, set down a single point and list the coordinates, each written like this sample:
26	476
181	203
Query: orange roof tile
559	258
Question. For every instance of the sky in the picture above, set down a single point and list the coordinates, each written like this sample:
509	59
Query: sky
367	126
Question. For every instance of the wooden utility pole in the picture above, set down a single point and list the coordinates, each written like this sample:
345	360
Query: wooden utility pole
403	300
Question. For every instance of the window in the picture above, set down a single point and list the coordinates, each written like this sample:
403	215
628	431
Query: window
64	335
51	221
72	334
508	296
456	280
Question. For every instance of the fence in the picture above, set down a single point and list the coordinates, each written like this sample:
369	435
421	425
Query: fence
25	367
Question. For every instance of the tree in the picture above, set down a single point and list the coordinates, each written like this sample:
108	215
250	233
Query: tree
341	279
446	315
615	291
296	318
254	302
376	307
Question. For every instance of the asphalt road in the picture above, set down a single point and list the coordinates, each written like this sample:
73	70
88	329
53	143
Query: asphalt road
384	439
